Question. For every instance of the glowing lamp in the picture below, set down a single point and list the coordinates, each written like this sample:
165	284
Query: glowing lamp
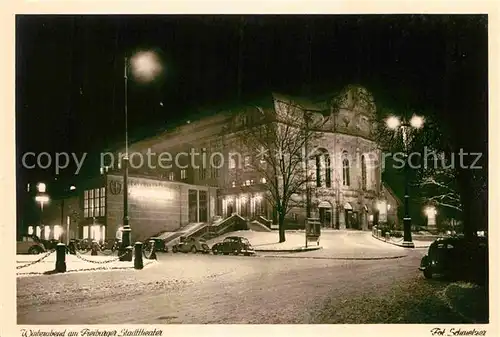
41	187
393	122
145	65
417	121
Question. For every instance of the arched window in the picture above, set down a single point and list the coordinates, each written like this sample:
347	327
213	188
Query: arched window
318	170
328	172
346	181
363	173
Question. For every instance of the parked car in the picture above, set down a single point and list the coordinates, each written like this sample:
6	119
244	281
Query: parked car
233	245
457	258
193	245
30	244
160	245
49	244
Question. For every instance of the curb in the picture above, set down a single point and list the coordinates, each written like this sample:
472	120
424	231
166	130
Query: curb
397	244
295	250
337	258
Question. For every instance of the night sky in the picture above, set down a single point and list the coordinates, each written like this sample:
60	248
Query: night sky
69	88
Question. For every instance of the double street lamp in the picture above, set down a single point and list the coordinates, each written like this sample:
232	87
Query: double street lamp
396	124
143	66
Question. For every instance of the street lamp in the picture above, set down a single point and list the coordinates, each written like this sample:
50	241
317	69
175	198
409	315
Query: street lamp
395	123
42	199
143	66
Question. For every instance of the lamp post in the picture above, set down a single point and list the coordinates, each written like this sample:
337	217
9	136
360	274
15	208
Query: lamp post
42	198
395	123
144	66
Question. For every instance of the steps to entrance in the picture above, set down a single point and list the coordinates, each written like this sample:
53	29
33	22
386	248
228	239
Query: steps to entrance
257	226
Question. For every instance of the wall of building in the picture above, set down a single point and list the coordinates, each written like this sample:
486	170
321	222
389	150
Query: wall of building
154	205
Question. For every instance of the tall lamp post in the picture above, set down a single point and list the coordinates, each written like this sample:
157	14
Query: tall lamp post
144	66
42	198
396	124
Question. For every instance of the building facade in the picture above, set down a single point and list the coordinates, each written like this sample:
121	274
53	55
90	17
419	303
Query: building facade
194	172
348	192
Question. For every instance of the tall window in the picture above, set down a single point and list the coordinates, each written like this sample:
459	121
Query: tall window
363	173
193	205
203	167
203	206
328	172
232	162
216	164
183	174
318	171
94	202
346	181
171	176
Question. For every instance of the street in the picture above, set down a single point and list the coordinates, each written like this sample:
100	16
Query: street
201	289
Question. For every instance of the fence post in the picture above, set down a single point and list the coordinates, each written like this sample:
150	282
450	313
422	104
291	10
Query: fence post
138	263
126	249
60	258
152	256
94	248
387	236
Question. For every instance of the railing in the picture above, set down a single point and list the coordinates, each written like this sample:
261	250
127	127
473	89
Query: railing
232	223
265	221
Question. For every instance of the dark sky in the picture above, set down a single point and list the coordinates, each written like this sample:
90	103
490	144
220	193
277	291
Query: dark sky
69	89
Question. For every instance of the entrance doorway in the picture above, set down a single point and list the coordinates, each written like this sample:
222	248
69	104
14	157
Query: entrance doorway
325	214
348	216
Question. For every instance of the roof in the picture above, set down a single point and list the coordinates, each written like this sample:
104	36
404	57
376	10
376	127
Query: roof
304	103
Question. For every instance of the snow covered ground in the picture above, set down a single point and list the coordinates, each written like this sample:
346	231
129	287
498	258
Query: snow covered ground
74	263
334	244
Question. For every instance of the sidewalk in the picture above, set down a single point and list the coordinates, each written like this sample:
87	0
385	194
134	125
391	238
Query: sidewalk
336	245
27	266
399	242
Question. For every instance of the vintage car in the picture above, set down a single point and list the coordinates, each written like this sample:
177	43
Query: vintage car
233	245
193	245
30	244
457	258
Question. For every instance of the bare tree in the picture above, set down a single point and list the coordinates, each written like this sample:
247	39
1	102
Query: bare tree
276	141
439	188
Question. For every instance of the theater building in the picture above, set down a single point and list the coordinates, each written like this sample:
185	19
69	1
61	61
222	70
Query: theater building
165	195
348	193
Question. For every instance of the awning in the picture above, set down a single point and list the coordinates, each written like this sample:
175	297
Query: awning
324	204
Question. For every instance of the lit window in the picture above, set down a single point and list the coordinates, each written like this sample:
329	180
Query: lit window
232	163
183	174
363	173
30	230
251	182
346	181
85	232
247	161
233	184
171	176
247	182
263	180
38	231
94	202
28	187
46	232
57	232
